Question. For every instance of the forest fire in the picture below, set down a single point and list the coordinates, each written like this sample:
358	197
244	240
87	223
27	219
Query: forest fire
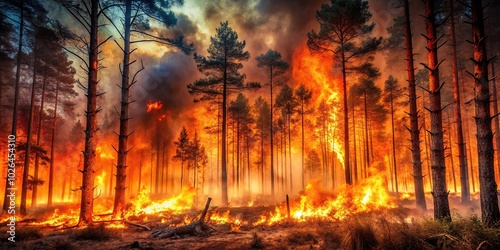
315	71
367	196
249	124
142	204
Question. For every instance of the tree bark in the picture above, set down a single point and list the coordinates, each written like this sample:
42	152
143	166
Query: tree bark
303	166
39	138
487	185
440	194
121	166
394	163
414	129
462	158
89	154
347	166
24	187
52	152
271	129
225	199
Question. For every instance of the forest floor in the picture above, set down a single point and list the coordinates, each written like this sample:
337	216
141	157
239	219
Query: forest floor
399	228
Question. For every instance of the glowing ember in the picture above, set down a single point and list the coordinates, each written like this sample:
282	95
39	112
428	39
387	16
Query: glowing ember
104	154
153	106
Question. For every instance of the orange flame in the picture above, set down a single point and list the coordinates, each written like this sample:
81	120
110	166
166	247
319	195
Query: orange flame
153	106
315	72
369	195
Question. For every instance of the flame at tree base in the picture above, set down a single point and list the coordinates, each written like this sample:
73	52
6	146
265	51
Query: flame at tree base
368	195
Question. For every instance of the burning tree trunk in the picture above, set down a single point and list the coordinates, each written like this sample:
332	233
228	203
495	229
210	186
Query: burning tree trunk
488	187
462	159
121	166
89	19
440	195
89	154
24	187
414	129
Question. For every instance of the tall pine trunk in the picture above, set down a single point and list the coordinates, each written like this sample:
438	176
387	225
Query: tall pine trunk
347	166
24	187
290	151
394	163
89	154
302	130
121	166
39	137
52	152
414	129
225	199
440	194
462	158
271	130
487	185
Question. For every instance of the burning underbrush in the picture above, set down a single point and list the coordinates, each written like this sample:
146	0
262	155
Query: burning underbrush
313	204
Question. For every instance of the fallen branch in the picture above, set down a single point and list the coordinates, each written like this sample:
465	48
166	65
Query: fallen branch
137	225
195	228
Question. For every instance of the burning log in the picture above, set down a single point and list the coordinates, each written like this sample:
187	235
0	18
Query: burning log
195	228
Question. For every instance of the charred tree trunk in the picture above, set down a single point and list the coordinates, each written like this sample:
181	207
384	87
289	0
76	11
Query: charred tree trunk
440	194
262	159
271	134
24	187
225	199
495	111
121	166
367	145
488	187
355	153
39	138
414	129
347	166
302	130
52	152
87	199
462	159
451	156
394	163
6	199
290	151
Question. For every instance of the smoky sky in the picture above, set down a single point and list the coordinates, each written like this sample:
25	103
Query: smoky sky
280	25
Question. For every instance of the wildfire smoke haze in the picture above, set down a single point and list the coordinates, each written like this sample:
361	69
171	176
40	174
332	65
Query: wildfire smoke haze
263	115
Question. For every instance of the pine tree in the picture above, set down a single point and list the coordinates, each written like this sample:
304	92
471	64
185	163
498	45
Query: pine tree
303	95
275	67
223	78
344	32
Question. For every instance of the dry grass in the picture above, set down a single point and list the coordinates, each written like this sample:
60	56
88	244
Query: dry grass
256	242
94	233
28	233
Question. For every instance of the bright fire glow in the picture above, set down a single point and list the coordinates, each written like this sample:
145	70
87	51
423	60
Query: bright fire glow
315	72
368	195
153	106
